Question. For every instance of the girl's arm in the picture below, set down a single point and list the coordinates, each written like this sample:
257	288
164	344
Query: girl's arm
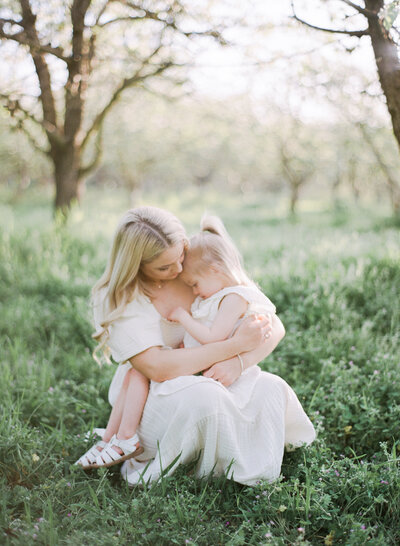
231	308
161	364
229	370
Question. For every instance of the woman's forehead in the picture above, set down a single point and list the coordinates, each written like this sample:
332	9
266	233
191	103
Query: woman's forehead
169	256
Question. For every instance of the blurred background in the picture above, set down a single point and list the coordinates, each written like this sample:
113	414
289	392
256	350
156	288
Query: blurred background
196	97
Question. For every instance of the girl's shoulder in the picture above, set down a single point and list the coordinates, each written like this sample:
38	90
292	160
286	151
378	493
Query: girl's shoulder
205	306
247	292
257	300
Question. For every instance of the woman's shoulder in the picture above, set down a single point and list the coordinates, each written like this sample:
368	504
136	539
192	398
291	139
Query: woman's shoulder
140	305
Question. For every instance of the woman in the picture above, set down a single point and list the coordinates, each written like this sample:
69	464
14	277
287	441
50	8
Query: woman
225	419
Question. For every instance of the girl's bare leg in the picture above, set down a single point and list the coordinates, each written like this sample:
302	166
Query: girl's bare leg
114	420
133	404
127	411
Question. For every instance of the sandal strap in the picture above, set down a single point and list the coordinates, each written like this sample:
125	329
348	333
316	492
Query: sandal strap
109	454
91	454
127	446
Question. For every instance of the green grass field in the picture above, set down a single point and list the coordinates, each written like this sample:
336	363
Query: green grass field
335	279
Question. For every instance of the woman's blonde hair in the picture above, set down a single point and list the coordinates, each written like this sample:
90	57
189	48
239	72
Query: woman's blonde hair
214	247
141	236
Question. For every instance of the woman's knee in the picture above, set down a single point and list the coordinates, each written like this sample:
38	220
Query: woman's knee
205	398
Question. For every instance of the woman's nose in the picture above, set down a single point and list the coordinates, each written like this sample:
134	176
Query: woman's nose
178	267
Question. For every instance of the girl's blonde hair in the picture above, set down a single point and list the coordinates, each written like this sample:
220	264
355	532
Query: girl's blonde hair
141	236
214	247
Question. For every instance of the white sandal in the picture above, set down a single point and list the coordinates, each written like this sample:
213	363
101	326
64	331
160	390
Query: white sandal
89	458
109	456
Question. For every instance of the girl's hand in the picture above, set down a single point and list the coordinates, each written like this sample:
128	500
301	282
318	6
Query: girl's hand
177	314
225	372
253	331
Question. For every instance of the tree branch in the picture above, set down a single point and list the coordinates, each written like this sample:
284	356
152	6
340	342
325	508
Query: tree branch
4	21
102	10
85	170
42	70
367	12
22	38
127	82
171	23
119	19
357	33
20	126
78	69
14	106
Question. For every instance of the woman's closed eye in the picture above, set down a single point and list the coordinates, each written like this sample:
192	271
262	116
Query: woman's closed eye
166	267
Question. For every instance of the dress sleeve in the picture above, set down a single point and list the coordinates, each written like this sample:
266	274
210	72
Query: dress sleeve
135	331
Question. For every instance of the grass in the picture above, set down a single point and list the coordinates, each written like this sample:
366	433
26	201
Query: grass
335	279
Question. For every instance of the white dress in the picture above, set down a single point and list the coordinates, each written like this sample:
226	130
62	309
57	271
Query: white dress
205	310
240	430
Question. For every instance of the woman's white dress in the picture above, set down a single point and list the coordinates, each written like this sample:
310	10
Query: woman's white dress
240	430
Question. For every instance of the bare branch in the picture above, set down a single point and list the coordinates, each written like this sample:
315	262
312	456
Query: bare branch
128	82
390	180
4	21
42	71
357	33
171	22
101	12
135	79
119	19
22	38
21	126
367	12
85	170
14	106
78	69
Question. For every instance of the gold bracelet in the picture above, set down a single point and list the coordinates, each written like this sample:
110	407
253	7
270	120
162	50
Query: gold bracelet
241	363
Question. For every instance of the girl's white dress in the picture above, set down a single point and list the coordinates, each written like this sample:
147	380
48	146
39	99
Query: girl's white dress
240	430
205	310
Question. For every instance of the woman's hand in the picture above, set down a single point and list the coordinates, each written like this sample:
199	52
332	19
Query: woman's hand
253	331
225	372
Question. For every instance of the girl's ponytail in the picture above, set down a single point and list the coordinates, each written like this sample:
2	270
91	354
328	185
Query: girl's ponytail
214	225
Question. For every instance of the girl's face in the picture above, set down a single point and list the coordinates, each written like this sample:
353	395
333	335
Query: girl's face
167	265
206	284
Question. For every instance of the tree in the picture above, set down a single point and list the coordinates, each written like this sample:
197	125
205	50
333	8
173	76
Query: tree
378	23
70	40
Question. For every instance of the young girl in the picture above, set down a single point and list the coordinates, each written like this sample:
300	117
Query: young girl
213	269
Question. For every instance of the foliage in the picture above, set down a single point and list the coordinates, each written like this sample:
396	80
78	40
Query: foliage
333	277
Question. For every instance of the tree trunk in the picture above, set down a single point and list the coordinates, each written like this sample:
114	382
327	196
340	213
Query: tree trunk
66	163
388	64
294	197
391	182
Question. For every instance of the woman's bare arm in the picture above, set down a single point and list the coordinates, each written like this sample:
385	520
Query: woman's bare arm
229	370
161	364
